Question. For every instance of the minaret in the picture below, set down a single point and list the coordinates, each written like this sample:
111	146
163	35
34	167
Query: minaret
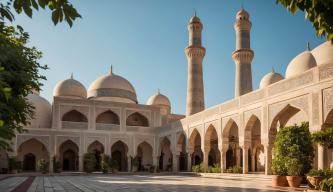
243	54
195	53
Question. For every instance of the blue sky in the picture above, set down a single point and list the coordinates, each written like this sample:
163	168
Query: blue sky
144	40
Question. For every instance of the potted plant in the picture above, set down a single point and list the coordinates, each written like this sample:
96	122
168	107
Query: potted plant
324	137
279	172
114	165
294	170
314	178
56	165
89	162
326	184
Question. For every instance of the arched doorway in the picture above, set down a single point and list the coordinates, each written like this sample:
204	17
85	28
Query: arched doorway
69	156
29	162
97	149
145	156
211	143
252	138
30	152
195	148
231	139
119	153
328	152
165	162
181	146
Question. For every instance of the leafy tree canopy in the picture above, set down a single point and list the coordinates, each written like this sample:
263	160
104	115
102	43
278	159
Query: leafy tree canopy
61	9
318	12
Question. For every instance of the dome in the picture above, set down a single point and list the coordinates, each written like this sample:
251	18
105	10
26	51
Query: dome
70	88
269	79
242	14
43	111
159	99
323	53
301	63
112	87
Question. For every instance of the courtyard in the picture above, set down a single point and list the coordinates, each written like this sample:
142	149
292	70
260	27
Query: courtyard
133	183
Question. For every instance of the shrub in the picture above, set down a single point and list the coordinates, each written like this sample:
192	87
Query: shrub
12	165
235	169
43	166
198	168
56	165
152	169
326	184
324	137
89	162
114	165
214	169
293	145
105	163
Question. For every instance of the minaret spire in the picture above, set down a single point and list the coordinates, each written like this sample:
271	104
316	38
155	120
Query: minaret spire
111	72
308	46
72	77
243	54
195	54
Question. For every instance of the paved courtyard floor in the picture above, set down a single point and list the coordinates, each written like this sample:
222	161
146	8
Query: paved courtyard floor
135	183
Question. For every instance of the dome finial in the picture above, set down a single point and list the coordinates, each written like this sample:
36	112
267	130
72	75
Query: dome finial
308	46
111	72
273	71
158	91
195	13
72	77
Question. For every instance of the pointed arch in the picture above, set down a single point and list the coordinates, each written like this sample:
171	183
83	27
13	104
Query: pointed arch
119	152
230	132
137	119
74	116
165	161
68	156
211	143
145	156
181	152
108	117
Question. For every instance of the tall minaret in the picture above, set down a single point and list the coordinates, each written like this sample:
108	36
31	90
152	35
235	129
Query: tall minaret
243	54
195	53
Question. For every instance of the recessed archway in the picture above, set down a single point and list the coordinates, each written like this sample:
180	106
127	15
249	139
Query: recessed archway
30	152
195	148
137	119
119	153
74	116
68	152
145	156
211	143
181	147
97	149
231	139
108	117
165	161
328	152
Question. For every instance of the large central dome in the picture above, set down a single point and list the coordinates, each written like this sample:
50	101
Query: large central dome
112	87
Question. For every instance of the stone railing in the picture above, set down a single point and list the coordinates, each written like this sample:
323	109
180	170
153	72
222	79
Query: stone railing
74	125
107	127
140	129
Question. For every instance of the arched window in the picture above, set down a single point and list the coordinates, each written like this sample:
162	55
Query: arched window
74	116
136	119
108	117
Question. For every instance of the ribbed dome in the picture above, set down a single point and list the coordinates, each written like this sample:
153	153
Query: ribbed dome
43	111
270	78
112	87
323	53
159	99
301	63
70	88
242	14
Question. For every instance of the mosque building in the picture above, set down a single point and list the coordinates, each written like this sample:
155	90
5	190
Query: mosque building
107	117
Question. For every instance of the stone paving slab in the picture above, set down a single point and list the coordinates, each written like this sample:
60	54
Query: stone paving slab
11	183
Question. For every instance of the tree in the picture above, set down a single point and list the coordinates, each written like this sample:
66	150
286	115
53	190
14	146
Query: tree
19	63
318	12
61	9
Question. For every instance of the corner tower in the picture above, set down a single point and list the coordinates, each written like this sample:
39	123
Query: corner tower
243	54
195	53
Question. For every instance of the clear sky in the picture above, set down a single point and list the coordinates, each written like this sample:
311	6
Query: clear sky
144	40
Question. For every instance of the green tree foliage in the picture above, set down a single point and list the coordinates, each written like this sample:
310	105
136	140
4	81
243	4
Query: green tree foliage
90	162
318	12
61	9
18	76
293	145
324	137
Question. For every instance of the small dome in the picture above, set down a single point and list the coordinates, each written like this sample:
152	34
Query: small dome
70	88
43	111
195	19
242	14
270	78
159	99
112	87
323	53
301	63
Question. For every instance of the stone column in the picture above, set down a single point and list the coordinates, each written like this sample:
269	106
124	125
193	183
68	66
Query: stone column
245	160
51	163
321	159
268	159
81	163
129	164
223	161
175	163
189	162
205	159
253	162
156	160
